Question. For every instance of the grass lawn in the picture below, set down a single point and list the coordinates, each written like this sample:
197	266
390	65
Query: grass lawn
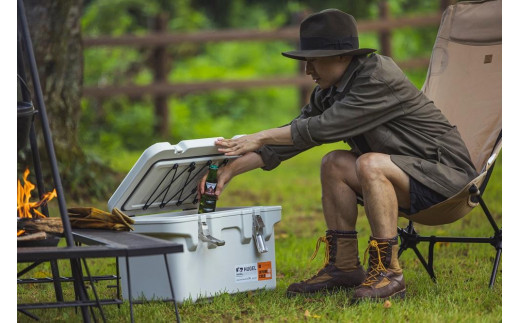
460	295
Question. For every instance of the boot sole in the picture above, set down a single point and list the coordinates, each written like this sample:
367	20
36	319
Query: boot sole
397	295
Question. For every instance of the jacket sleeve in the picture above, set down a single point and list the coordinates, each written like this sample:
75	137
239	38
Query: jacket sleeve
369	103
273	155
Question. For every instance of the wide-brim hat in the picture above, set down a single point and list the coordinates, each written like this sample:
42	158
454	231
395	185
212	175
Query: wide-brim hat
330	32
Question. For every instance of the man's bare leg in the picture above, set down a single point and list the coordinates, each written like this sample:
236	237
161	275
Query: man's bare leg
385	187
342	268
339	184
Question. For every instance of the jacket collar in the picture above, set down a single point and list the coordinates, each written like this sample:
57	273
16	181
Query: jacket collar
355	64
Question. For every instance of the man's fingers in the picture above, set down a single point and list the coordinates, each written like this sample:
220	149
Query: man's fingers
201	185
219	188
225	142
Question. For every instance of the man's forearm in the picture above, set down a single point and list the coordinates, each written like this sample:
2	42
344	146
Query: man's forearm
276	136
245	163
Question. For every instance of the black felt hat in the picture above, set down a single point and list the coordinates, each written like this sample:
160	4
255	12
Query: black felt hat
330	32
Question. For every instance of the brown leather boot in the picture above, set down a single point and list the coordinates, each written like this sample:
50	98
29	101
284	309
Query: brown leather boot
342	268
384	277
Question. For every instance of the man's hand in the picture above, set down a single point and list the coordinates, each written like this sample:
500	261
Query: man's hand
224	175
249	143
235	167
240	145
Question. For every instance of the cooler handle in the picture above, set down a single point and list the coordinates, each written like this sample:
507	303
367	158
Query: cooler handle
204	233
258	228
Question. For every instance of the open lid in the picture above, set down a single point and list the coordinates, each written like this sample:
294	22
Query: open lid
165	177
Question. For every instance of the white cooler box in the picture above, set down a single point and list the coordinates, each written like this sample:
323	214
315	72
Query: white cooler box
230	250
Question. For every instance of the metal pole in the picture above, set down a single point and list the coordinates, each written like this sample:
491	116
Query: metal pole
129	288
171	287
45	125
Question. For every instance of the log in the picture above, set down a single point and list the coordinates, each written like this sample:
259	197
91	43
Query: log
33	236
49	225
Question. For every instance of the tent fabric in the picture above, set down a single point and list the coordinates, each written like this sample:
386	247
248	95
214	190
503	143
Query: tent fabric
465	82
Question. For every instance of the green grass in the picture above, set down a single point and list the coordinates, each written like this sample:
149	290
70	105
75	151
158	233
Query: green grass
460	295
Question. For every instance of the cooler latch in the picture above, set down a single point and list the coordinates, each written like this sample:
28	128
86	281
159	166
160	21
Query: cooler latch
258	228
204	233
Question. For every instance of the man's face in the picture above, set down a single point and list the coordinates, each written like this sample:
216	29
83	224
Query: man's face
327	71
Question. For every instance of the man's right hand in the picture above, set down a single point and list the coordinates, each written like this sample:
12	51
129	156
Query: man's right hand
245	163
224	175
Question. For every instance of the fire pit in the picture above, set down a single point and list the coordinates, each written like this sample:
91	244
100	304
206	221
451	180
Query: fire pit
33	227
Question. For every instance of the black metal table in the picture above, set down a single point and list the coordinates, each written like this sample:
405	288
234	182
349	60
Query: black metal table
101	244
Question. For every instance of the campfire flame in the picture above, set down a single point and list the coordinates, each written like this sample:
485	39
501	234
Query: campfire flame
25	208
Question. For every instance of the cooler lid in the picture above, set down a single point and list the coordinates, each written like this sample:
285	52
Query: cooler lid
165	177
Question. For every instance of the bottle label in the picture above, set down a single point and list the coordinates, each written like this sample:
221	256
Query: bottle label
210	188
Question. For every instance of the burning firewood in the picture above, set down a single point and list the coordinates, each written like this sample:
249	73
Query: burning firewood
29	218
33	236
49	225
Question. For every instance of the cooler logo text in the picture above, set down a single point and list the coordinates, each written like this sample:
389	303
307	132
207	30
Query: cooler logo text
253	272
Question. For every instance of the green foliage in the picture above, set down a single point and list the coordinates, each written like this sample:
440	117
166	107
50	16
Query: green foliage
117	17
410	43
227	113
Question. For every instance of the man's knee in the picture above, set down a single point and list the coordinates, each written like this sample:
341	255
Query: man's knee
337	160
369	165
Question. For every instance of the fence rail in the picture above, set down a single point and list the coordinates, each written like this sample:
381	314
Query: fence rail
163	88
287	33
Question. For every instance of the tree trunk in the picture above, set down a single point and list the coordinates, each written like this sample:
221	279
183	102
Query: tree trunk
56	36
55	28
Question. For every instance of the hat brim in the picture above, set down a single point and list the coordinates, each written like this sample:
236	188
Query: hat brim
304	54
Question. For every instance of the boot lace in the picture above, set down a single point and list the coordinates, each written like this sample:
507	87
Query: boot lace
327	253
376	264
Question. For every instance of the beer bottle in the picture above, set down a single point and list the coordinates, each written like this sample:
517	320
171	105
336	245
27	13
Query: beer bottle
208	200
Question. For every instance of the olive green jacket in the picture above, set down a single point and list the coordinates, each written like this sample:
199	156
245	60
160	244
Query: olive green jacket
375	108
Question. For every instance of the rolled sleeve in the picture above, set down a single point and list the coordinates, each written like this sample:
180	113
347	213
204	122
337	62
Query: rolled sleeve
301	135
273	155
269	157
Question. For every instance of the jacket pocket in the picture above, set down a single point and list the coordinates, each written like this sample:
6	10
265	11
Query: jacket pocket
449	145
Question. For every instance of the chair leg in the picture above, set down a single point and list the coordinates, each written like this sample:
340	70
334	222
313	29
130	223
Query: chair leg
409	239
427	266
495	268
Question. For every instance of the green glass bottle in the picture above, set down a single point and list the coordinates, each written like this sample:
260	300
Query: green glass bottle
208	200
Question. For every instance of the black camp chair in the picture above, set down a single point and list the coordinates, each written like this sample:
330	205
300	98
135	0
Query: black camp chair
465	81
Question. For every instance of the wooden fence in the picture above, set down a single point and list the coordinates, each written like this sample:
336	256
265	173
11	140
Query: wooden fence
160	89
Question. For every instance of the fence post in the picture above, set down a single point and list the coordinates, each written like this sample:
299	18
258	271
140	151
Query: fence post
304	91
385	35
445	4
160	62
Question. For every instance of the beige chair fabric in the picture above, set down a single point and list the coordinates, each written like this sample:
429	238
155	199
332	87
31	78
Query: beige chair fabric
465	81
